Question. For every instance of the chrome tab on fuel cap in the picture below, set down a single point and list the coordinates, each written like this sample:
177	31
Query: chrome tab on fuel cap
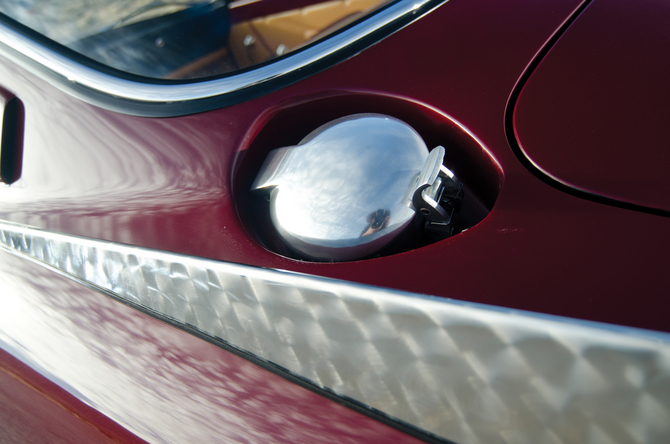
347	189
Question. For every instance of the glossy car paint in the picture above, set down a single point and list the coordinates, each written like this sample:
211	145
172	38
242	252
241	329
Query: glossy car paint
172	184
167	183
592	116
34	409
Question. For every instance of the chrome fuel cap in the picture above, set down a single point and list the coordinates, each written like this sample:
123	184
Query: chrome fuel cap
346	190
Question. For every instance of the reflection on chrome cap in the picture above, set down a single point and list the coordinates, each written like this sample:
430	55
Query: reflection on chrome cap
343	192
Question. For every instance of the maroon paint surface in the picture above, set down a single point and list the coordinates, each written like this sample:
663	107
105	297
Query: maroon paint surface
34	410
170	184
595	114
167	183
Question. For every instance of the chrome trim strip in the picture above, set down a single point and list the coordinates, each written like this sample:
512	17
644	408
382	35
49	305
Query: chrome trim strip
466	372
75	73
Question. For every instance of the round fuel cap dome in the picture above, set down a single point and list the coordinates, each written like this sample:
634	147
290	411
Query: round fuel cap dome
344	191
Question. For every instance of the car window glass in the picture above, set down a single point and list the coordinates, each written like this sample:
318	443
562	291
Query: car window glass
186	39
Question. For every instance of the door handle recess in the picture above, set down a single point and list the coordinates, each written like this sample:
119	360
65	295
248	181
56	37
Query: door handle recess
11	137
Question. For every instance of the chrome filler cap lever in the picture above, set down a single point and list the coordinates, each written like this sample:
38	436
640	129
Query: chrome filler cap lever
437	193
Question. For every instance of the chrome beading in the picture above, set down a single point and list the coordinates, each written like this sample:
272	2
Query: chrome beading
465	372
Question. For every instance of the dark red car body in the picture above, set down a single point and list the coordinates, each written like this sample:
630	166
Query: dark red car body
568	100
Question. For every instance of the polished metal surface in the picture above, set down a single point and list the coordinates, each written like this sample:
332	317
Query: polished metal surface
157	382
429	187
344	192
67	70
469	373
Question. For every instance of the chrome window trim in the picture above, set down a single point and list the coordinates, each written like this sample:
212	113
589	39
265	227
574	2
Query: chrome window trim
462	371
78	75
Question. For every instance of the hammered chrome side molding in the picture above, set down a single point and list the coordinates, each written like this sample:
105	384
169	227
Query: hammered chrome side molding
71	75
465	372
